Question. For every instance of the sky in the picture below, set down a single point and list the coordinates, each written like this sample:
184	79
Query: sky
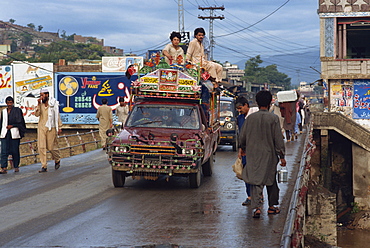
249	27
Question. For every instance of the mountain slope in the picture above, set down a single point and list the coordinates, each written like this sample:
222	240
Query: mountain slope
295	65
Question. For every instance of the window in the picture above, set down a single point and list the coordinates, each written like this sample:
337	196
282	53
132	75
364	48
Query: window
353	38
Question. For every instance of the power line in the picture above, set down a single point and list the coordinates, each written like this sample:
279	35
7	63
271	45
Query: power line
255	22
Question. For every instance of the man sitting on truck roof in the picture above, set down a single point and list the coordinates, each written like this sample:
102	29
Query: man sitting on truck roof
172	52
195	54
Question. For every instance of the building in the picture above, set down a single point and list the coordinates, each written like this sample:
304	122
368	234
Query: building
88	40
345	57
113	50
4	50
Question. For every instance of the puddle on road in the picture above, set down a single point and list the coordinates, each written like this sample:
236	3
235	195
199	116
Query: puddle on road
204	209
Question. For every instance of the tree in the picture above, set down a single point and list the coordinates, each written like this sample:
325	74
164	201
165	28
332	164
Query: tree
254	73
31	25
12	21
39	28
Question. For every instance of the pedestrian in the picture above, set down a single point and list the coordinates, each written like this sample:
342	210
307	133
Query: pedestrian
12	129
261	142
275	109
122	110
172	52
105	117
48	129
242	106
298	122
195	54
289	113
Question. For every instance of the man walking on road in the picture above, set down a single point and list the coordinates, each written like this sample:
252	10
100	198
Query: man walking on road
48	128
122	110
262	143
105	117
12	129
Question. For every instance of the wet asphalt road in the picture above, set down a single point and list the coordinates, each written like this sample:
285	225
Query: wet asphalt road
77	206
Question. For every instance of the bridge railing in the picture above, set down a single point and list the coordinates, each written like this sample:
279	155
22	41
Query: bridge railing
66	142
293	229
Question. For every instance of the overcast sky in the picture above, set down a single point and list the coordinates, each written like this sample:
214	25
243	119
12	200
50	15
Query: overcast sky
278	26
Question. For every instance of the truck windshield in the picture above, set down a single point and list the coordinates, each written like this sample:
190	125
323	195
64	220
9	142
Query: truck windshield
181	117
226	109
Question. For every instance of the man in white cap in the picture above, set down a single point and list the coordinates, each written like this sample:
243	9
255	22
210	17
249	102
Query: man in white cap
48	127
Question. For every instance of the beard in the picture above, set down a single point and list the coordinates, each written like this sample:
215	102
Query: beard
45	99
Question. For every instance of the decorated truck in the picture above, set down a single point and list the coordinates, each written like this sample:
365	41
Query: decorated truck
173	128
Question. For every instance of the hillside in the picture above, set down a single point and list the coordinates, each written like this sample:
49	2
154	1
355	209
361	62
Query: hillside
295	65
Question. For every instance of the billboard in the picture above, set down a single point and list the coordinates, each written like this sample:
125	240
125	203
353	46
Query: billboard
80	94
29	78
361	99
6	83
120	64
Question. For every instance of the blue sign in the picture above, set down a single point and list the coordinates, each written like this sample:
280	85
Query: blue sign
361	99
80	94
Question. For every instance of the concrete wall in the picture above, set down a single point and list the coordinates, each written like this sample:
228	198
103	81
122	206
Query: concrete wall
345	69
321	218
361	176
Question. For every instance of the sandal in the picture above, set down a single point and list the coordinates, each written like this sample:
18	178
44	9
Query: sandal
273	210
257	213
3	171
16	169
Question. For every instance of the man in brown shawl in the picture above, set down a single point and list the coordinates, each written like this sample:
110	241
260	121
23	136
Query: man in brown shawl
262	142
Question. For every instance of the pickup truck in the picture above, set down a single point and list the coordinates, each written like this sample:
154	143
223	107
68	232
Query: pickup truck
170	131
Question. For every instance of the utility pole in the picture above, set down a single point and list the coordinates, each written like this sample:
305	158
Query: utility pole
211	17
180	4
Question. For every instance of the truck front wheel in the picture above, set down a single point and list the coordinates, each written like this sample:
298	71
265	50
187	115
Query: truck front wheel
195	179
207	166
119	178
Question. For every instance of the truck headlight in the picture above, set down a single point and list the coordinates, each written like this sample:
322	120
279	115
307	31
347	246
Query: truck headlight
123	149
230	125
188	151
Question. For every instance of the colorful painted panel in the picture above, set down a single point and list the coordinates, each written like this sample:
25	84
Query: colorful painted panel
120	64
80	94
6	83
361	99
29	78
341	97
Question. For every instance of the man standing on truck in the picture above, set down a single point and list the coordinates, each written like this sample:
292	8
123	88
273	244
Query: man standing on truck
262	143
195	54
105	117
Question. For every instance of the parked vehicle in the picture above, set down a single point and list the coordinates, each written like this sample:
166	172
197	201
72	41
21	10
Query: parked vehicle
169	132
228	123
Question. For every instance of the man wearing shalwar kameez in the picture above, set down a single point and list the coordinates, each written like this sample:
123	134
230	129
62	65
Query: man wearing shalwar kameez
12	129
105	117
48	128
195	54
261	141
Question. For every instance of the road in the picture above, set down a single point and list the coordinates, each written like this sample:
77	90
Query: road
77	206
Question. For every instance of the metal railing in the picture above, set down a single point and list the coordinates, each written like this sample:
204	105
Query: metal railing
82	143
293	229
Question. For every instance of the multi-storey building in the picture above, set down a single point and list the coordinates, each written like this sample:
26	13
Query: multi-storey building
345	57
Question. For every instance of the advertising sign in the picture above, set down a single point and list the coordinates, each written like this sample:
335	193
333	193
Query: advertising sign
29	78
6	83
80	94
361	99
120	64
